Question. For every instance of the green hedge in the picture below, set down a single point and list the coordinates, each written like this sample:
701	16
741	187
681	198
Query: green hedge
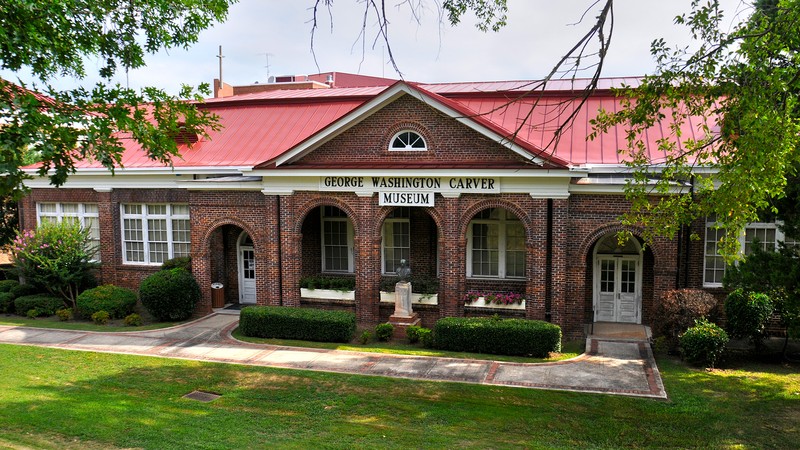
283	322
333	283
117	301
6	302
7	285
170	295
45	305
497	336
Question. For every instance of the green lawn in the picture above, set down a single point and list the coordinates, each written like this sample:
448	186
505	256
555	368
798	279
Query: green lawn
65	399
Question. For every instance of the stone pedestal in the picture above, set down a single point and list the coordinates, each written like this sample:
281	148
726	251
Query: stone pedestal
403	316
402	299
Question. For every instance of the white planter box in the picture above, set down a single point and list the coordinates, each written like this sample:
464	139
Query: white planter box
481	303
416	299
329	294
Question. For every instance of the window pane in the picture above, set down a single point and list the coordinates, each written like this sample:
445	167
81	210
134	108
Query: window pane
69	208
157	210
180	210
714	263
335	245
47	207
90	208
157	230
133	230
485	252
132	209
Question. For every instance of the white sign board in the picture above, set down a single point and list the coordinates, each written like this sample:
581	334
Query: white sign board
405	198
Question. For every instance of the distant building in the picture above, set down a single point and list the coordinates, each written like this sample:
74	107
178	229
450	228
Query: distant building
343	175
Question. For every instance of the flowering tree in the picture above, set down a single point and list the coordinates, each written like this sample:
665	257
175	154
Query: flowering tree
56	257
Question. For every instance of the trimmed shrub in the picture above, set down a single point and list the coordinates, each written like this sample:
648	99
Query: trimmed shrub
64	314
100	318
497	336
133	320
333	283
6	302
678	310
283	322
703	344
7	285
366	336
747	315
412	333
170	295
32	313
184	262
384	331
117	301
426	337
45	305
22	290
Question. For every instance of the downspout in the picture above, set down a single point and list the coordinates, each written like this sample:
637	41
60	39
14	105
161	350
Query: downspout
548	276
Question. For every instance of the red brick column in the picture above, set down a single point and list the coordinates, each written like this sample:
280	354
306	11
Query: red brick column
269	258
109	236
558	262
291	258
452	265
368	278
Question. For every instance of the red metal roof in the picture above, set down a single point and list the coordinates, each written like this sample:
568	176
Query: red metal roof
262	126
252	133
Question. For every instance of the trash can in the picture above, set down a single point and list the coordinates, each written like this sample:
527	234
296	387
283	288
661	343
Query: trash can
217	295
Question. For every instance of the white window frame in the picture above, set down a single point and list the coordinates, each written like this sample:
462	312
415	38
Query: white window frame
59	214
711	224
350	259
407	147
388	226
506	218
143	218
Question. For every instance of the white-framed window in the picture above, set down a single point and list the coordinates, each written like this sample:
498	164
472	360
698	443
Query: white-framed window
396	239
85	214
408	141
337	240
767	234
496	245
154	233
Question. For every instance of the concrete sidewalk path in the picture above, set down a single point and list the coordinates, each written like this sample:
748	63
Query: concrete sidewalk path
610	366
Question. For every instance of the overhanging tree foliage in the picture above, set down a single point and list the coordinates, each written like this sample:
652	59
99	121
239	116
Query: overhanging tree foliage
53	38
743	81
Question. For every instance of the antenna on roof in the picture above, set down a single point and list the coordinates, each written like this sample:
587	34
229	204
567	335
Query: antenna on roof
220	64
267	66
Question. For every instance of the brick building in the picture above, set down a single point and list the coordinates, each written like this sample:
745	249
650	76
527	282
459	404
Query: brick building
346	178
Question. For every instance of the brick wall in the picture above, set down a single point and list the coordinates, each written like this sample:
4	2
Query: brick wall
448	140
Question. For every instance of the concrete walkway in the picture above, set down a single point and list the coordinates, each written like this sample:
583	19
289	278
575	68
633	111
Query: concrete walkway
620	366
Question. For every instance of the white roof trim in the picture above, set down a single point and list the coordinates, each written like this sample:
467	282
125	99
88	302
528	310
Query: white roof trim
378	102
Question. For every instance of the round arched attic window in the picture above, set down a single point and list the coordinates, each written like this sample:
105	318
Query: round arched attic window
408	140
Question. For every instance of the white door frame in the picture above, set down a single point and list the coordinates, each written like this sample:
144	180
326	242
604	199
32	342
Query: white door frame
618	258
240	249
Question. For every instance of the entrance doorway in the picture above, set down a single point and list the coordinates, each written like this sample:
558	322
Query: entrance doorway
617	281
247	270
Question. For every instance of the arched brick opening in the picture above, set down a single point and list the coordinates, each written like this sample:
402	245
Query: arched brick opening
525	285
648	258
217	259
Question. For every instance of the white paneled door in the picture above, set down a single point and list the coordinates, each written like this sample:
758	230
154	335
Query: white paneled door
617	290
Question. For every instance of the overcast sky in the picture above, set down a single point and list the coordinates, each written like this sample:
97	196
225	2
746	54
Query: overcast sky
276	33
